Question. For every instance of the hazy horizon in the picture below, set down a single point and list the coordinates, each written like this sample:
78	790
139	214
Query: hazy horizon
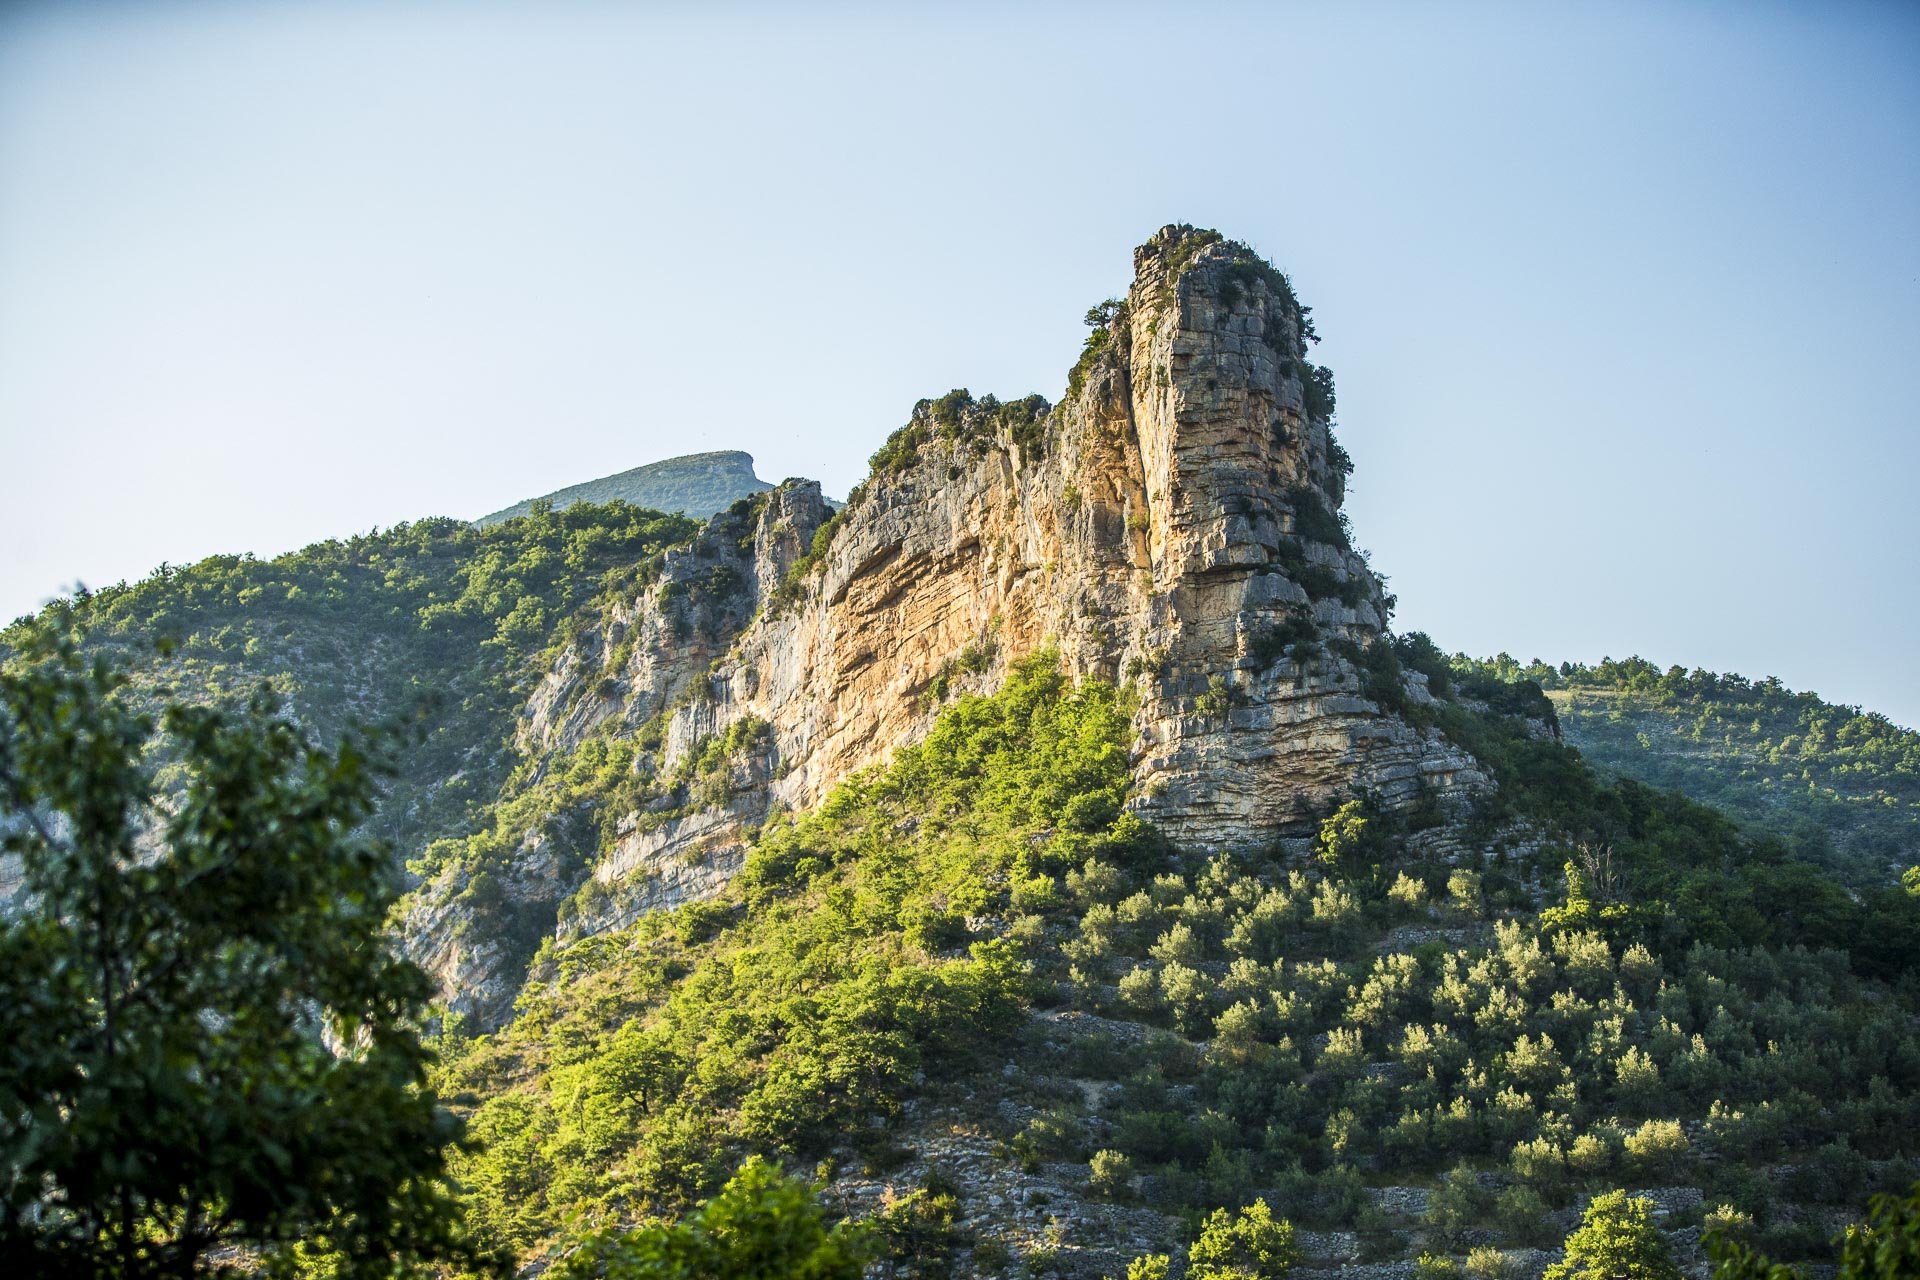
1622	310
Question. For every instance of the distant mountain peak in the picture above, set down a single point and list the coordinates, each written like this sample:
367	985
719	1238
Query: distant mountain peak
694	484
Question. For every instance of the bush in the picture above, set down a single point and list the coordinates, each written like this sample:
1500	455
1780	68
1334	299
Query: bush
1522	1216
761	1223
1408	892
1463	890
1110	1174
1487	1263
1349	839
1657	1148
1456	1205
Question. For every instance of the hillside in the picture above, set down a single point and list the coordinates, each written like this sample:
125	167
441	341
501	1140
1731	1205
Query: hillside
1057	842
1842	785
695	484
1027	1031
437	626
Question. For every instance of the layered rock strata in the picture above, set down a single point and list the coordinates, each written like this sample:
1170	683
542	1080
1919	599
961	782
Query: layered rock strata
1173	522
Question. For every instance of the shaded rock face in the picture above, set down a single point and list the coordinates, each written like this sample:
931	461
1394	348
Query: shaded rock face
619	678
1172	523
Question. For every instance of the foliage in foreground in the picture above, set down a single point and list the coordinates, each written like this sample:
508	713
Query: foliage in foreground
1884	1247
166	980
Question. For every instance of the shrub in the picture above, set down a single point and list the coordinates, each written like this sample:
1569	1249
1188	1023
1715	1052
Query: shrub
1179	943
1726	1221
1216	701
1188	993
761	1223
1638	1078
1297	632
1408	892
1140	989
1463	889
1542	1163
1110	1174
1590	1155
1657	1147
917	1230
1456	1205
1348	838
1522	1216
1345	1053
1487	1263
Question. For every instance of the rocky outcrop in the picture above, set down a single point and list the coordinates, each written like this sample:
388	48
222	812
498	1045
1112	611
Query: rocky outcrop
1174	522
617	679
695	484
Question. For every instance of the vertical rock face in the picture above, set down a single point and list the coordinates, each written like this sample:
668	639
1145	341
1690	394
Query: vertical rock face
1174	523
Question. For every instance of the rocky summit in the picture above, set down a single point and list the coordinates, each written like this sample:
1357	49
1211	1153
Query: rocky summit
694	484
1174	522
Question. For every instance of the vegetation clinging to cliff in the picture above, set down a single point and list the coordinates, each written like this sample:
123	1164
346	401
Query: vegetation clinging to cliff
958	418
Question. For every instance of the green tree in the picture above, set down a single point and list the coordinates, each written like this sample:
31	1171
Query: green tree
1887	1245
171	977
763	1225
1616	1239
1456	1205
1347	838
1249	1246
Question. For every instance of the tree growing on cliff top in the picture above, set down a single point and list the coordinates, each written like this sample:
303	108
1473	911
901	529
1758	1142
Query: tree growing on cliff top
169	981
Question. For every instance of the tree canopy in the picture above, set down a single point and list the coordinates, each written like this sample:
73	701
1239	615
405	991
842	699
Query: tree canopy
208	1050
1616	1240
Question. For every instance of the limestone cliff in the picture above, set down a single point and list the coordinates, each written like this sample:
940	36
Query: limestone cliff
1173	522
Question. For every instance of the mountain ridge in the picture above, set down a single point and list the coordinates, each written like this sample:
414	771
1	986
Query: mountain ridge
692	484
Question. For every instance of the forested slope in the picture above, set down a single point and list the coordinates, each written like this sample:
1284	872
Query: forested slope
437	624
1028	1032
1841	784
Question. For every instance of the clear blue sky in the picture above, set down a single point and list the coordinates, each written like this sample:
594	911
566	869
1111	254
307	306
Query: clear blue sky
1624	300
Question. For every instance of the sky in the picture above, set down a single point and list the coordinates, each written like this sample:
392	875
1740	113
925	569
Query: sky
1623	300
